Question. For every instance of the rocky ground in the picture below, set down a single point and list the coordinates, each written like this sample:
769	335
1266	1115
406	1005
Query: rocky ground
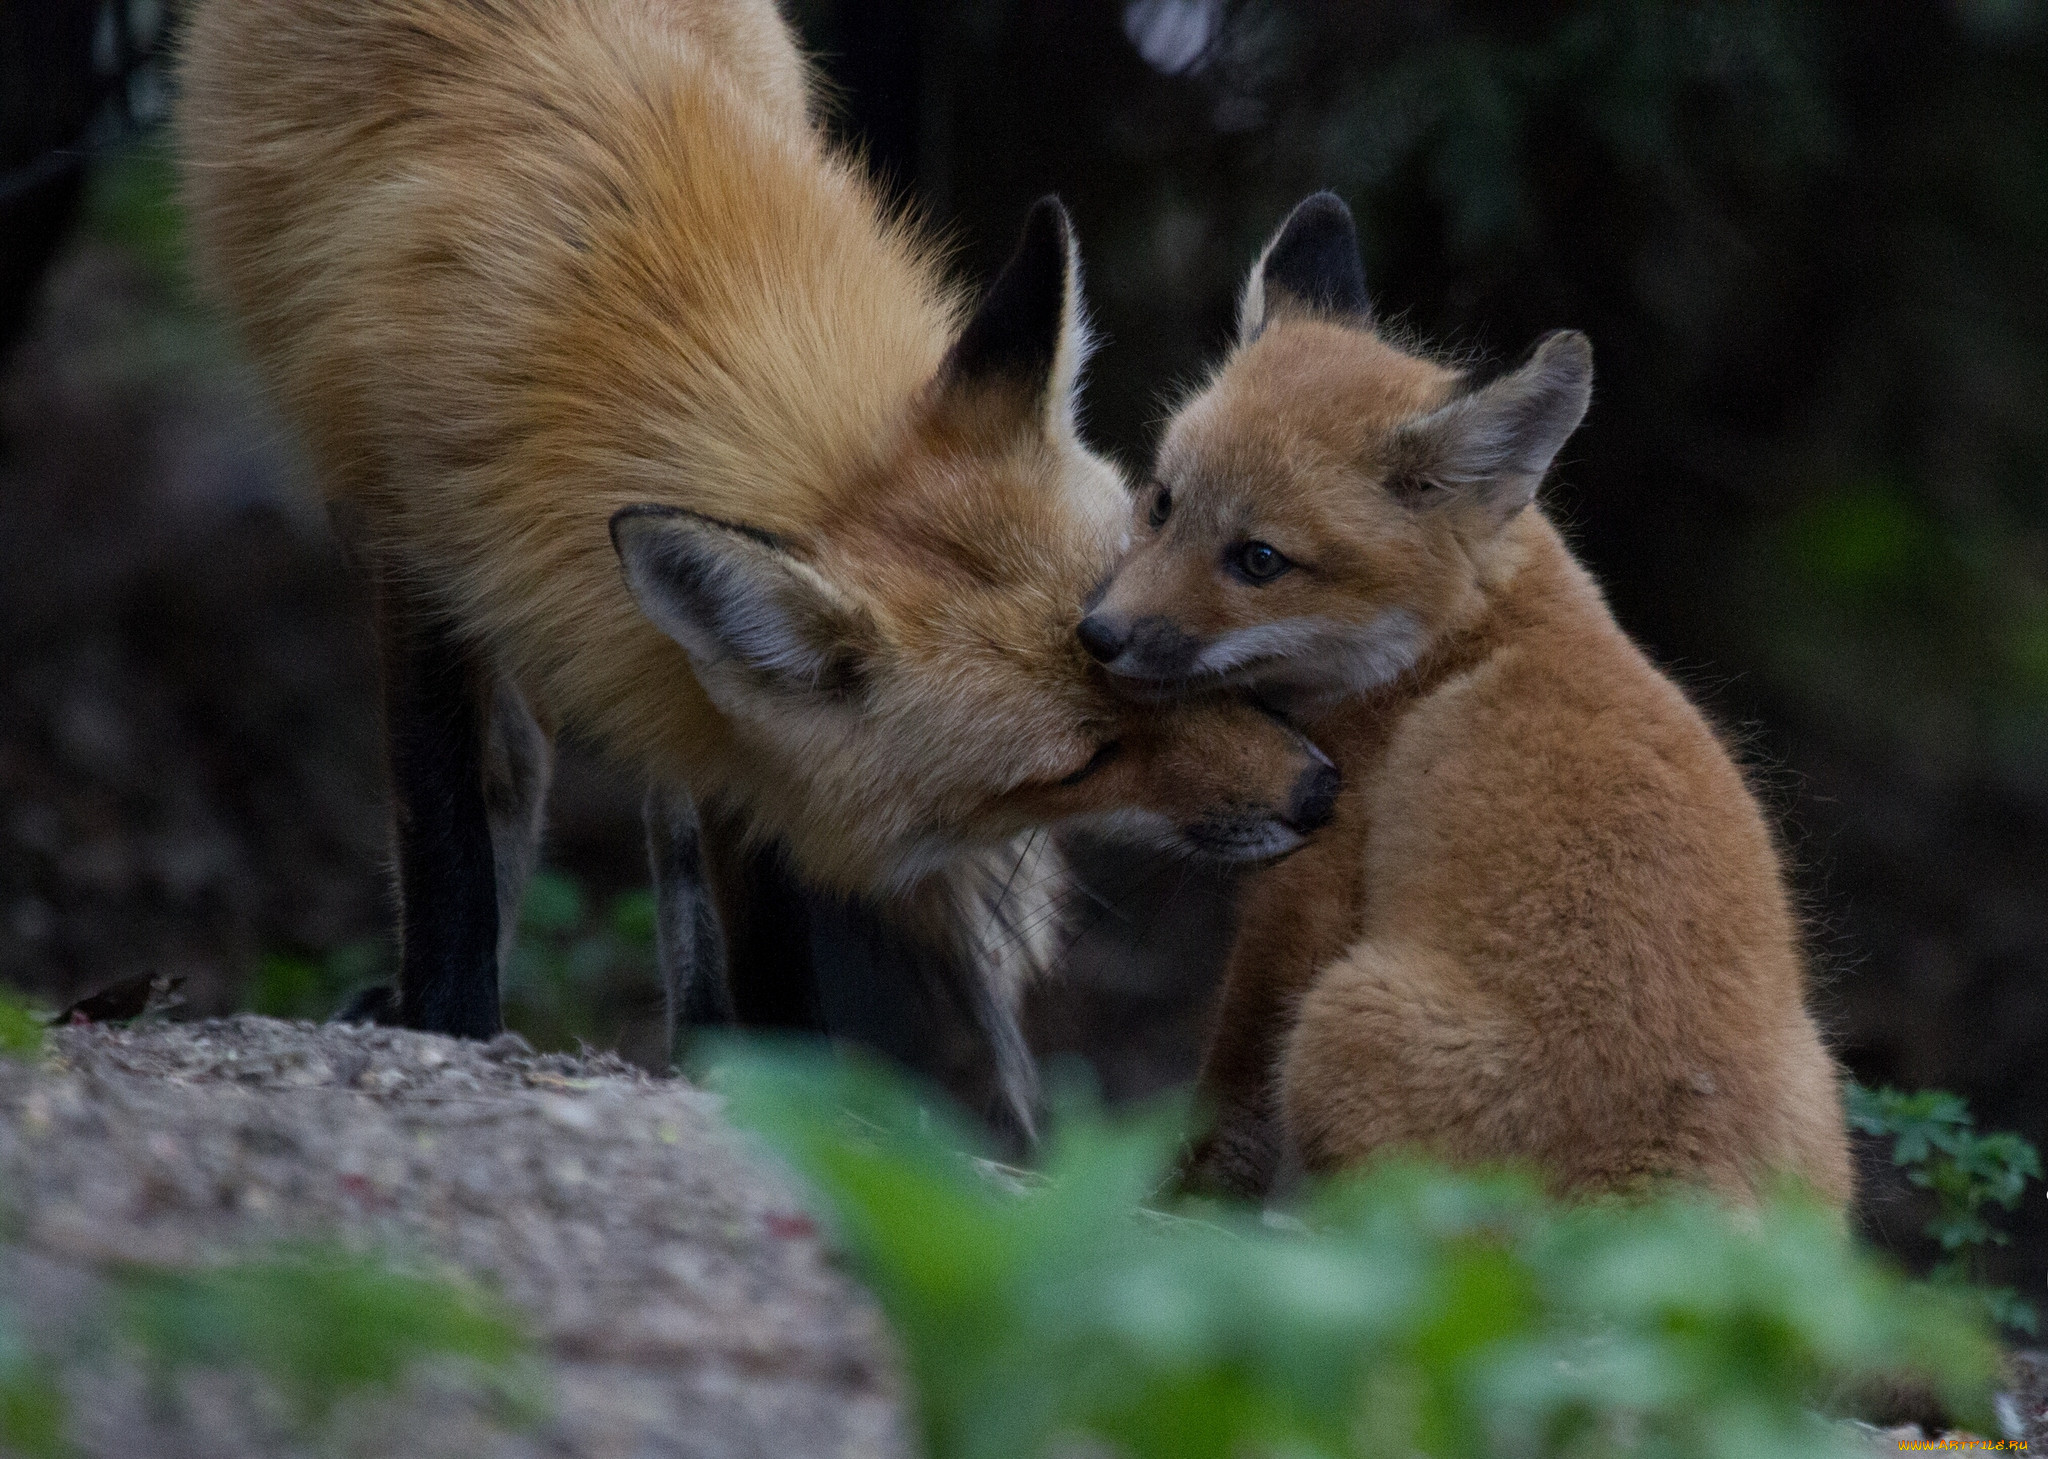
678	1298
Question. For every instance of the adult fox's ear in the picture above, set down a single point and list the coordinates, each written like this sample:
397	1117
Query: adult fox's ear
1311	265
1030	335
1492	447
731	595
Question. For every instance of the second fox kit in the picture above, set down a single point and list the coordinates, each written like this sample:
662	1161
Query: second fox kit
661	429
1548	922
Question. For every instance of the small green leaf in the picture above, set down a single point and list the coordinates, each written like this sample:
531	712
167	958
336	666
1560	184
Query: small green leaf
321	1325
22	1029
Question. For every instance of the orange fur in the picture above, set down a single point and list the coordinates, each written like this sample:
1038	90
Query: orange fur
1548	922
515	265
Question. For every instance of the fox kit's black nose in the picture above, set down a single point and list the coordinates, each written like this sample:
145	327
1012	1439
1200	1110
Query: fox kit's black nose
1314	797
1102	638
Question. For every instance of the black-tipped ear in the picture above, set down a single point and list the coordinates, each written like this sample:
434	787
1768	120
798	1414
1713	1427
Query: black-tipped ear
1313	264
1492	447
728	594
1028	332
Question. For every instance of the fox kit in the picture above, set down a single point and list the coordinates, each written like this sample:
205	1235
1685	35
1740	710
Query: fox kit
1547	922
659	429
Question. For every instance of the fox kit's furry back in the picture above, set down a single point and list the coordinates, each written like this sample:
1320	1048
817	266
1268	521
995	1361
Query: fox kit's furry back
661	429
1548	922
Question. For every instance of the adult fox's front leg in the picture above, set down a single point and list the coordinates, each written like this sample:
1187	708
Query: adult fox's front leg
436	698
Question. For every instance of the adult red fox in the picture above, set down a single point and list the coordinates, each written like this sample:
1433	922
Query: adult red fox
660	429
1547	922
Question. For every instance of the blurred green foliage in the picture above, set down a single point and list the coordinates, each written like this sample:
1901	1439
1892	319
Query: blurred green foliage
22	1027
132	201
580	968
1665	97
1865	546
131	204
1409	1311
321	1325
303	985
1935	1141
31	1404
1886	603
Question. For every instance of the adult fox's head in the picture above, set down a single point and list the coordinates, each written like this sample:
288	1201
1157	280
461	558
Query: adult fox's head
904	674
1329	504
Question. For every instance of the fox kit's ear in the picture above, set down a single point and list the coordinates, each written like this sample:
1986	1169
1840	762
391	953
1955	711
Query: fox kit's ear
1030	334
729	595
1492	447
1312	264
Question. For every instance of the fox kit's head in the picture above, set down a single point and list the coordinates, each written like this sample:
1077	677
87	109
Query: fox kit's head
1328	504
903	678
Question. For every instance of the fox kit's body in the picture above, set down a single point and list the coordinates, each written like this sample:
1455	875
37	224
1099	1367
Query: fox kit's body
556	287
1547	922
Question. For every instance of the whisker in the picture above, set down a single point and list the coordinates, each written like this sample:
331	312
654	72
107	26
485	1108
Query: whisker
1023	854
1043	917
1019	931
1143	890
1075	881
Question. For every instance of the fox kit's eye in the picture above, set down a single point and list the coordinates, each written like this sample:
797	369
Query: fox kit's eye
1260	562
1162	507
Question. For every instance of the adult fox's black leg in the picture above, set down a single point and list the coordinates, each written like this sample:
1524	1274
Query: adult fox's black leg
436	698
519	764
688	942
769	979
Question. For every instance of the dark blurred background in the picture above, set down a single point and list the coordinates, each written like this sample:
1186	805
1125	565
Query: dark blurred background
1809	241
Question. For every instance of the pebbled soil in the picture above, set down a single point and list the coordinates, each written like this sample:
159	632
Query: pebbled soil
680	1303
679	1299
